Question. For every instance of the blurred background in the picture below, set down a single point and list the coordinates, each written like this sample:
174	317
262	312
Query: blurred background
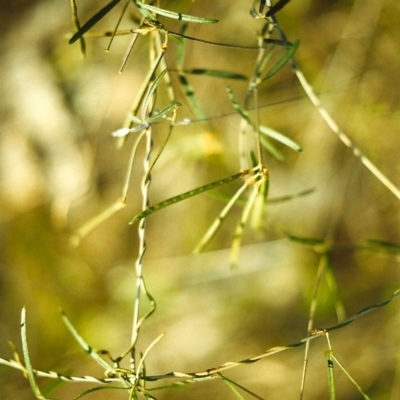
60	167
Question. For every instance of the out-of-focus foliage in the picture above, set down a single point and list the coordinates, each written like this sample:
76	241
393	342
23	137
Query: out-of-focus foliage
59	166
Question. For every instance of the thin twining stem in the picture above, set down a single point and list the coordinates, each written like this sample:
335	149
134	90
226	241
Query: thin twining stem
210	372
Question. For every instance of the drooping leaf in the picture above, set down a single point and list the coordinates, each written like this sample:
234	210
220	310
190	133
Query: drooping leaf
93	21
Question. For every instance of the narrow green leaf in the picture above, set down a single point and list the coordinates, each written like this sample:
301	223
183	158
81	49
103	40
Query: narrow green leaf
244	114
77	26
290	197
27	360
82	342
194	102
366	397
271	148
241	387
259	209
93	21
96	389
150	92
238	235
308	241
215	73
164	112
277	42
282	61
384	246
179	16
184	196
280	138
276	7
262	5
181	47
263	63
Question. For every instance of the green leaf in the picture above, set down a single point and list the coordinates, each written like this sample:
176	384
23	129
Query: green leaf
181	47
276	7
77	26
150	92
280	138
184	196
383	245
174	15
30	371
191	97
308	241
238	107
215	73
271	148
282	61
93	21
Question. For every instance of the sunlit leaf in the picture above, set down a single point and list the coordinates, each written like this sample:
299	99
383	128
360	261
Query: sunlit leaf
179	16
184	196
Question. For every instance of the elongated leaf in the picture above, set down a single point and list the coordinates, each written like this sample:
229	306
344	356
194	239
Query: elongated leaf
82	342
184	196
290	197
277	42
241	387
174	15
192	99
276	7
262	5
308	241
271	149
263	63
282	61
366	397
280	138
164	112
238	107
384	246
77	26
150	92
93	21
28	365
215	73
181	47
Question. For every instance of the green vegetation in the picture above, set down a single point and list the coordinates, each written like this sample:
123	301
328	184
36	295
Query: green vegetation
213	222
